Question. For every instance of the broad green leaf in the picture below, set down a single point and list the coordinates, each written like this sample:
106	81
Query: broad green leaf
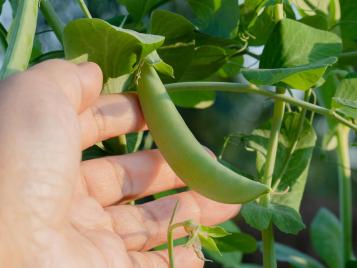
348	24
179	40
256	215
257	17
293	43
179	44
217	17
205	61
117	51
295	258
326	236
248	265
198	100
214	231
139	8
175	28
287	219
297	168
316	21
300	77
237	242
232	67
345	99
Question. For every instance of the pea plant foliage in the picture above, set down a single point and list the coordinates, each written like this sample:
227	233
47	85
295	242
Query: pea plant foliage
180	54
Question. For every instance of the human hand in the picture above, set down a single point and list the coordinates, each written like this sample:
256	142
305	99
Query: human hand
59	211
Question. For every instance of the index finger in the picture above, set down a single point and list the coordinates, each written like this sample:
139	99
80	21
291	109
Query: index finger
81	84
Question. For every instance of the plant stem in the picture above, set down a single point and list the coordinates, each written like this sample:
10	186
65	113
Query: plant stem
269	258
21	38
295	142
84	8
3	36
250	88
278	12
345	191
170	238
52	18
278	116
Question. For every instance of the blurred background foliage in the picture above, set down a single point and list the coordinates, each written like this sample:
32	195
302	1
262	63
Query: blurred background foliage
232	113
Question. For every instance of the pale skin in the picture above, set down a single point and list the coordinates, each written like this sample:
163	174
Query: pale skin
59	211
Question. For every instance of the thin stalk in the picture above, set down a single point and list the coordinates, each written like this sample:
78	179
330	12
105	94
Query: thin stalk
170	237
21	38
250	88
84	8
278	12
269	257
3	36
345	191
295	142
52	18
122	144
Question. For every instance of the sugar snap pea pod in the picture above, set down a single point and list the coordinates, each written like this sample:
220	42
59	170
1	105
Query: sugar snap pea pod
183	152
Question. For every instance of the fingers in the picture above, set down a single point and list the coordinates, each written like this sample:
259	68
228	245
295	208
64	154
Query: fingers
110	116
184	257
81	84
145	226
125	177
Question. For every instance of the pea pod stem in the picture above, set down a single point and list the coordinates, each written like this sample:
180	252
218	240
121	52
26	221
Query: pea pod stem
345	191
21	38
253	89
52	18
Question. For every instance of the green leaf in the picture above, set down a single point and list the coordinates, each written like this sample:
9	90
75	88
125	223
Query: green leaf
205	61
348	23
117	51
345	99
256	215
139	8
154	59
232	67
214	231
287	219
296	172
293	45
351	264
295	258
326	236
257	17
208	243
217	17
179	40
300	77
227	259
237	242
174	27
316	21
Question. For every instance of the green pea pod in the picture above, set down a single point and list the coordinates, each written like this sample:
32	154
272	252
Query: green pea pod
184	153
